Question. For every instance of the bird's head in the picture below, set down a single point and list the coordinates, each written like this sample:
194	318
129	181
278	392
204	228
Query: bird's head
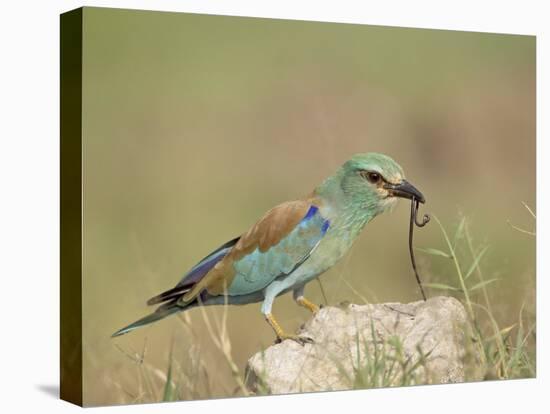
373	183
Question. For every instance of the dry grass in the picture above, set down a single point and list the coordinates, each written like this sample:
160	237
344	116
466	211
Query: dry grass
503	351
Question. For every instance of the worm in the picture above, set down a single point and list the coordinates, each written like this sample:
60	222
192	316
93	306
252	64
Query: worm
414	221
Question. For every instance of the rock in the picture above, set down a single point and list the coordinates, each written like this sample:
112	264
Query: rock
359	346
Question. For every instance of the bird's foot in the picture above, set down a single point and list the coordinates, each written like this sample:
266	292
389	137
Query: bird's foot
281	335
302	340
312	307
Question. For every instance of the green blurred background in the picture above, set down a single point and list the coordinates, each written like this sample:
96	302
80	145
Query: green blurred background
195	125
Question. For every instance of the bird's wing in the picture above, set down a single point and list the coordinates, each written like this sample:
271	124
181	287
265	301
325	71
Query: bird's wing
275	246
195	274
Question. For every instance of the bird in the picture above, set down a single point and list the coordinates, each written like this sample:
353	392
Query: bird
290	245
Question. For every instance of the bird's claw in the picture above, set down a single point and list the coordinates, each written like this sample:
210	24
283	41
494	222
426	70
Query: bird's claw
302	340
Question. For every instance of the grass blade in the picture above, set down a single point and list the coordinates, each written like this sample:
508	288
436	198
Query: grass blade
501	334
481	284
434	252
441	286
529	210
475	263
459	231
169	389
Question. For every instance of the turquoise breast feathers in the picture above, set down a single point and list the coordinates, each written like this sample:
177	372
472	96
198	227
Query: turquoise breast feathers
258	269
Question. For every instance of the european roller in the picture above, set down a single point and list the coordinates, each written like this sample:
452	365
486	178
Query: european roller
289	246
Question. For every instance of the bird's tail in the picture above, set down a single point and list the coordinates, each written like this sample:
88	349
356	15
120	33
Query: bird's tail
161	313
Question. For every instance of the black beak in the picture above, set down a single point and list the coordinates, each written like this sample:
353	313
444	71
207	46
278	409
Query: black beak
406	190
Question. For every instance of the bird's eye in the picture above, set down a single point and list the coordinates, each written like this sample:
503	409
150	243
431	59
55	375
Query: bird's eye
371	176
